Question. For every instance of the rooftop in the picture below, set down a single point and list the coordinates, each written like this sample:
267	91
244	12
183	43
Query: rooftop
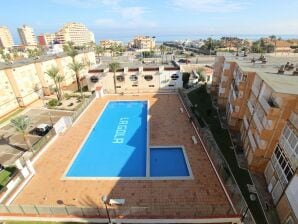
200	197
282	83
28	61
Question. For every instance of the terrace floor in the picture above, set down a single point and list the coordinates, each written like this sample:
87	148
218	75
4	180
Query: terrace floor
201	197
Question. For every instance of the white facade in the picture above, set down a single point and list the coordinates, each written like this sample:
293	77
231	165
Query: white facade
6	40
27	35
136	80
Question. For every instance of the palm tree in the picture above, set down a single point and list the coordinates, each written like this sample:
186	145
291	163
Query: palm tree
162	51
70	50
99	50
77	67
53	72
21	125
114	66
114	49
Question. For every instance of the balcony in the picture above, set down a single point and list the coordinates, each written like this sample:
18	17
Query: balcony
250	106
258	123
269	106
252	140
267	124
245	122
255	90
262	144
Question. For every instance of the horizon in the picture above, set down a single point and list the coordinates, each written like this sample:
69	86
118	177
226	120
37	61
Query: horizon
167	20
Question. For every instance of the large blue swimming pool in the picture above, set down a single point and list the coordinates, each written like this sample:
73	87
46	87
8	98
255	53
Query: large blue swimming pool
117	148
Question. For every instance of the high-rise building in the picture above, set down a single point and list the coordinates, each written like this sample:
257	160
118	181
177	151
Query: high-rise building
6	40
77	33
46	38
27	35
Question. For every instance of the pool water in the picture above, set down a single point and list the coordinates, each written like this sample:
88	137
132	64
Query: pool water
117	147
168	162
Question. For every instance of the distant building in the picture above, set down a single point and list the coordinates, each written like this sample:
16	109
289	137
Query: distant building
6	40
106	44
27	35
46	39
77	33
144	43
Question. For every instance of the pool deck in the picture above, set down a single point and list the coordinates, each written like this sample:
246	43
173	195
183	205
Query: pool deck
201	197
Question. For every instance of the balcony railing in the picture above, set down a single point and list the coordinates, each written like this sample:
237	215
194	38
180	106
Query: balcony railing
250	106
260	142
265	104
255	90
258	123
245	122
252	140
268	124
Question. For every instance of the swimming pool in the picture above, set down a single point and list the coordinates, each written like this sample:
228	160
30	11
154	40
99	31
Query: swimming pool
117	148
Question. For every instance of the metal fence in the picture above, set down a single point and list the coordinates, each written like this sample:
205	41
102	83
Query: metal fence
220	164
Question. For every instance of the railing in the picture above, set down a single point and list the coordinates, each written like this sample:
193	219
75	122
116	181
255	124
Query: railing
264	104
245	122
255	90
80	110
258	123
250	106
43	141
252	140
220	164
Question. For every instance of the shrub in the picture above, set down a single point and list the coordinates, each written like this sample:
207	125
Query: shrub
53	103
67	96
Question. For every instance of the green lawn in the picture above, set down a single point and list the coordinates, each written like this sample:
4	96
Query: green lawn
209	114
5	174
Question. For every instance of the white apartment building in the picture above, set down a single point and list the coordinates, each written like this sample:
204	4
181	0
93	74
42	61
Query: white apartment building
6	40
22	82
136	78
77	33
27	35
144	43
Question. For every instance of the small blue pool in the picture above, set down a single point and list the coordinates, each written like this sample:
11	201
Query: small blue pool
117	147
168	162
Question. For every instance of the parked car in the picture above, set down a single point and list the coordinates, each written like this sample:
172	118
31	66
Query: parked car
184	61
41	130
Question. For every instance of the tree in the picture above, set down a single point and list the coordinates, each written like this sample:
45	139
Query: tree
21	125
77	67
114	66
99	50
70	50
53	72
162	51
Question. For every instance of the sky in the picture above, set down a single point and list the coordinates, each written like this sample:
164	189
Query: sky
165	19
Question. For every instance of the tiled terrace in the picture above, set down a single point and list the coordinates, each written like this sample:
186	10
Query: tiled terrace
201	197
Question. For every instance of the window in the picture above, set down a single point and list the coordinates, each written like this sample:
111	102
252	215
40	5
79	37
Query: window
174	77
244	77
148	77
120	78
133	78
283	166
118	87
151	85
171	85
134	85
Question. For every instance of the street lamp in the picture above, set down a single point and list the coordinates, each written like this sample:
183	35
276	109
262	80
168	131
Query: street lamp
104	200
